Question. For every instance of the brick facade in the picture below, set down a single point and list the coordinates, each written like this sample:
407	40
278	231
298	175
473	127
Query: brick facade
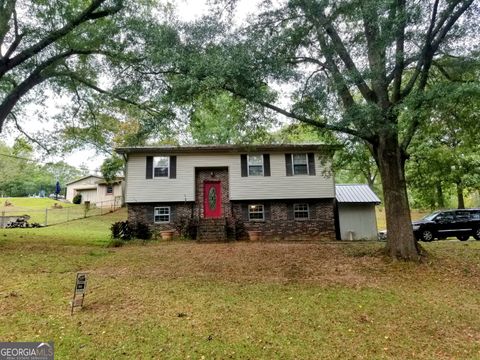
143	212
277	225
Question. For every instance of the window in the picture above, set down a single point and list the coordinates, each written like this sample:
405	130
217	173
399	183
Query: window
162	214
160	166
300	164
475	215
109	189
255	165
256	212
300	211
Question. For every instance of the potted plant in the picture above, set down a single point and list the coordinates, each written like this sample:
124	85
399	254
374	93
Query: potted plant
167	234
254	235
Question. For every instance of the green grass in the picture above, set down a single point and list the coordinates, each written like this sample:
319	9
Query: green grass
180	299
30	203
36	209
381	221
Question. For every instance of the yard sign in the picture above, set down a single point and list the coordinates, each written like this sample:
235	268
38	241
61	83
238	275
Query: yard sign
79	291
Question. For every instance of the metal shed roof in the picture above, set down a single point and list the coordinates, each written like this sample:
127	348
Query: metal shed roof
355	193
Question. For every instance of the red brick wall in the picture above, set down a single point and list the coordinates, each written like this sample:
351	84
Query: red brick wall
320	225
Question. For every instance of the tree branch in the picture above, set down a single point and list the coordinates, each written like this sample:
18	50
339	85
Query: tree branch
18	37
32	139
399	51
425	54
292	115
36	77
98	89
87	14
6	12
342	52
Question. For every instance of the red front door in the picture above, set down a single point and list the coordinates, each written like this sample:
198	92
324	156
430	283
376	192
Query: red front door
212	199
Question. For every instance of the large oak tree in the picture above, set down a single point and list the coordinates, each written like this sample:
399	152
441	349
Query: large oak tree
350	66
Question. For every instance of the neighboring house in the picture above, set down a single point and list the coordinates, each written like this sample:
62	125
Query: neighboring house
285	191
356	212
97	191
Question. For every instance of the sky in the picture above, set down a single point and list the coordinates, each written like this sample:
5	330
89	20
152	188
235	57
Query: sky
188	10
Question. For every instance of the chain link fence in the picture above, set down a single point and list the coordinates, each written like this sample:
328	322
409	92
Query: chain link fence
59	213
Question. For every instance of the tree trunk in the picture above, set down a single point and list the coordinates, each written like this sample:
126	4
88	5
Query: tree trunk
461	200
440	197
401	243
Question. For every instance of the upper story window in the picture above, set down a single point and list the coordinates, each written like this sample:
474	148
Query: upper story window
109	189
256	212
300	164
255	165
301	211
160	166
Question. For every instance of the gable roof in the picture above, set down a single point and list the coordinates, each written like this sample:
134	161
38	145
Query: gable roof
83	178
355	193
186	149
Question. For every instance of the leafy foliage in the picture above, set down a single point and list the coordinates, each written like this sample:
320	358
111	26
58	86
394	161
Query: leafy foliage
125	231
112	167
77	199
21	175
187	227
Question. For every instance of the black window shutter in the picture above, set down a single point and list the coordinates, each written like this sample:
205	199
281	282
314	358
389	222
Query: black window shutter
173	167
266	164
266	211
245	211
149	171
311	163
172	213
288	164
243	162
290	215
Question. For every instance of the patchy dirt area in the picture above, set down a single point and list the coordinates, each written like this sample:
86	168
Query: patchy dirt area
351	264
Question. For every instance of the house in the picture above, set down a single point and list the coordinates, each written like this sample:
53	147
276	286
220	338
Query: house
356	212
97	191
285	191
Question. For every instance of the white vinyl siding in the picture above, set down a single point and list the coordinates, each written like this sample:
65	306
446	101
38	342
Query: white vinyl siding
182	188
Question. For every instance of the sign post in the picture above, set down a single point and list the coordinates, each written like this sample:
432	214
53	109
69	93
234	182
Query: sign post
79	291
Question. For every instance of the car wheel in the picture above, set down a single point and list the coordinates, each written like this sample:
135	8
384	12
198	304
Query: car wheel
463	237
476	234
426	236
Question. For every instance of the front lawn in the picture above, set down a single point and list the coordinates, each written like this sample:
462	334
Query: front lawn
181	299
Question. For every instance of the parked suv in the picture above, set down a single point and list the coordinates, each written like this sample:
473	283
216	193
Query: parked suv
442	224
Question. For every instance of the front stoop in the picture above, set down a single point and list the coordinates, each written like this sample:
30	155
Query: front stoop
212	230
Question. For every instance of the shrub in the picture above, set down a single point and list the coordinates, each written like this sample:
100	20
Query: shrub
142	231
77	199
126	231
122	230
187	227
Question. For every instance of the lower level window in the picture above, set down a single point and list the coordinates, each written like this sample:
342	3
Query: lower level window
162	214
255	212
300	211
